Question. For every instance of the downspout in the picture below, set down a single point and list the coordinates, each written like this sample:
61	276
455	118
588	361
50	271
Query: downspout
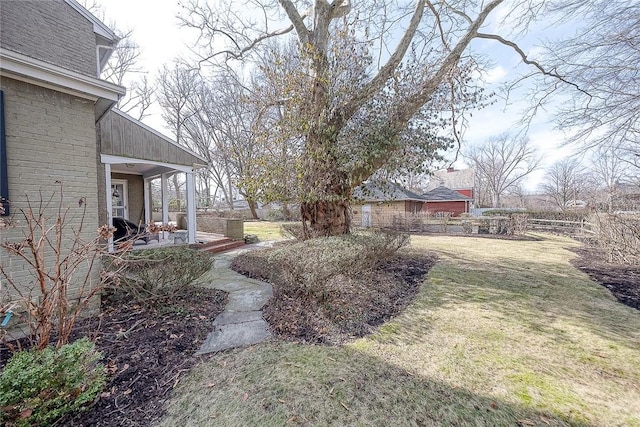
4	180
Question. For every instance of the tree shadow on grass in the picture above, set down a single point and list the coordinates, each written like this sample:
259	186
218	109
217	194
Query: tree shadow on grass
536	292
306	385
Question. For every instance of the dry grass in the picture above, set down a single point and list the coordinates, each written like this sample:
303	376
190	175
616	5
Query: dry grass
502	333
265	230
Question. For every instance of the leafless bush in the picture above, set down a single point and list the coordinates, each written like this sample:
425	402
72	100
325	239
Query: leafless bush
61	263
293	230
154	276
619	236
444	218
518	224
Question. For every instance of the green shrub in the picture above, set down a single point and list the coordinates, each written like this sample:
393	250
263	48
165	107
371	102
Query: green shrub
569	215
572	215
151	275
37	387
307	266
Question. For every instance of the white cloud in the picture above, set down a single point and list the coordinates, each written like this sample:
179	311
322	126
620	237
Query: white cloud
495	74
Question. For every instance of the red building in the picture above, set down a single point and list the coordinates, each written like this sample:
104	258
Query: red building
461	181
443	199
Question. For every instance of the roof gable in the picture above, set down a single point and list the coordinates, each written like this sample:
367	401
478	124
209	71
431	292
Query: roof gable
444	194
384	192
455	179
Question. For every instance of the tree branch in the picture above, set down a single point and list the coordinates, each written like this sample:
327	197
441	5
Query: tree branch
528	61
296	19
400	118
343	114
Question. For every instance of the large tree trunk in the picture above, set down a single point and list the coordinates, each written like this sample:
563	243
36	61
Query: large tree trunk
253	205
325	218
326	212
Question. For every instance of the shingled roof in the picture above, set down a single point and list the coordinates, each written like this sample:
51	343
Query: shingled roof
444	194
454	179
384	192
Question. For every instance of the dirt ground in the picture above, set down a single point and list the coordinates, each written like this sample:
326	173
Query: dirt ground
146	352
622	280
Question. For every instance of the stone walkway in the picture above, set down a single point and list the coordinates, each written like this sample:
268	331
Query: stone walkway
241	323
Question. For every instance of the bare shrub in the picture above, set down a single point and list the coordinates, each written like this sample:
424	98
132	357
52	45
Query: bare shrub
61	264
308	266
619	236
518	224
152	275
327	286
444	219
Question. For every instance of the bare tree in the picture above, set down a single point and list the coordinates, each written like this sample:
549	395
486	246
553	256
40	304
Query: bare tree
611	172
176	84
565	182
501	163
123	64
602	59
359	89
221	128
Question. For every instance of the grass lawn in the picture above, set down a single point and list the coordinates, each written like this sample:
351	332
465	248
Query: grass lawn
503	333
265	230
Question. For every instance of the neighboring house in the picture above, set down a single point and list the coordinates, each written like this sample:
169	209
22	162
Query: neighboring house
376	205
462	181
60	126
443	199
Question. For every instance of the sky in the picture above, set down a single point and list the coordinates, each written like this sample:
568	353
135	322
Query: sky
157	31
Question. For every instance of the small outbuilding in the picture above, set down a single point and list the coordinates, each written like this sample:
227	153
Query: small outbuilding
442	200
377	204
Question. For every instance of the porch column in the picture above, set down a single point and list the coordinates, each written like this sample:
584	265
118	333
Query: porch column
147	201
107	180
191	208
165	202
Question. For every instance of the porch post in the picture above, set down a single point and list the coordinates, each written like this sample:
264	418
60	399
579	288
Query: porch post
107	179
165	202
147	201
191	208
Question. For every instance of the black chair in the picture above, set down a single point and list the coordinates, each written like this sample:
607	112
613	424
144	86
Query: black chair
128	230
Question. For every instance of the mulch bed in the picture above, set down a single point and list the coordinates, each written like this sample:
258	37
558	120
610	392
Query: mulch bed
362	302
146	352
622	280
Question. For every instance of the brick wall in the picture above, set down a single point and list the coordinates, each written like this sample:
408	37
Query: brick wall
51	31
380	213
50	137
456	208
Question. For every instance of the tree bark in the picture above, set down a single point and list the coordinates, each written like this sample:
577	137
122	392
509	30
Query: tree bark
325	218
252	207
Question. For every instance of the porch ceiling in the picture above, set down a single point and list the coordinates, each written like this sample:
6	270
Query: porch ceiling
146	170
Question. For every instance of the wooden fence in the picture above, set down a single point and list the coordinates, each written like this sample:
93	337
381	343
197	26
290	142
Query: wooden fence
429	223
582	228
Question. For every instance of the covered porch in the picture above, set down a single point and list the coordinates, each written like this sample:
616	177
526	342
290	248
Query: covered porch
136	158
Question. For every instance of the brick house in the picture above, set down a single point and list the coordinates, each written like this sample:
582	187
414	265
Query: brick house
58	123
459	180
445	200
376	205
